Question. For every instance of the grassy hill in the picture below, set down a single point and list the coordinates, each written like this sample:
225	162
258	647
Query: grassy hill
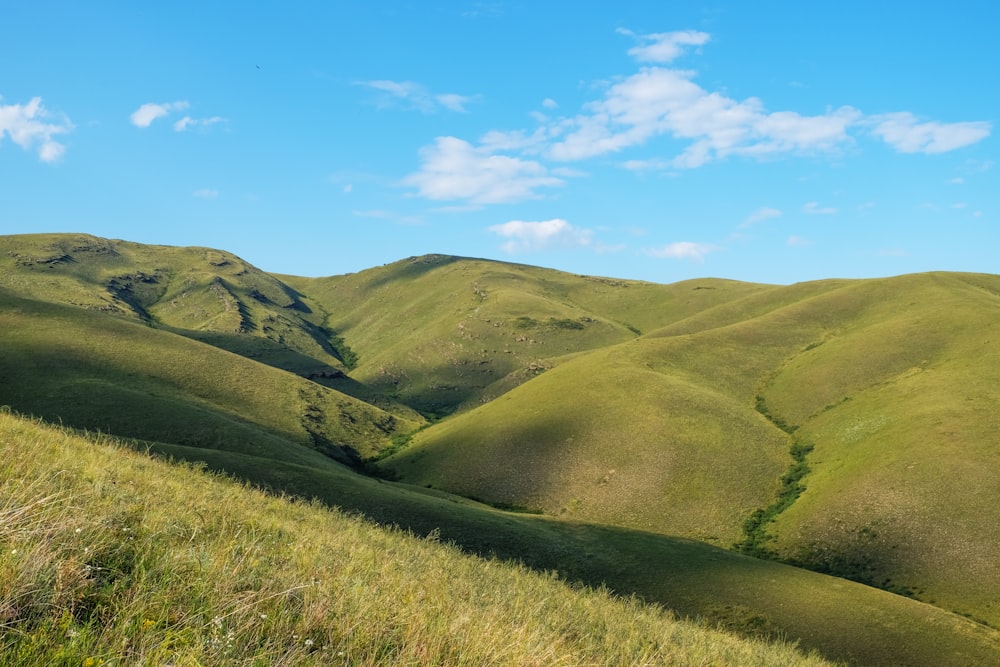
168	565
689	429
112	556
115	375
443	333
843	426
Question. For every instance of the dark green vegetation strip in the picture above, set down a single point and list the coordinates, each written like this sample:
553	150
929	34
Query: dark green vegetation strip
756	539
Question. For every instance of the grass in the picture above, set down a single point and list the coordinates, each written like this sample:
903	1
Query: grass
475	328
90	371
107	557
593	400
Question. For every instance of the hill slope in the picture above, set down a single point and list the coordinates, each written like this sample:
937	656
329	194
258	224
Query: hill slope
445	333
169	566
822	412
168	545
92	371
884	379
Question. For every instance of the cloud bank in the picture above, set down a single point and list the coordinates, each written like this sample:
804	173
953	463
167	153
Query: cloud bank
657	101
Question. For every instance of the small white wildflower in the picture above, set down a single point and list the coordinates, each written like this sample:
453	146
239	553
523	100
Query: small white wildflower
13	552
79	530
264	616
309	642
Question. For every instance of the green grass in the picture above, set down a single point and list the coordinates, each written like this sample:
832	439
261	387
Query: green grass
202	293
90	371
138	562
476	328
628	413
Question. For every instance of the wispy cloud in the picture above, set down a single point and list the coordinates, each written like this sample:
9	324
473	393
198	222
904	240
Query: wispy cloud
187	122
147	113
813	208
415	96
798	242
760	215
904	132
683	250
662	47
453	169
532	236
31	126
206	193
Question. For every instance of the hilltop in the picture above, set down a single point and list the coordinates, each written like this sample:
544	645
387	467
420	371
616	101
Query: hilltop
672	442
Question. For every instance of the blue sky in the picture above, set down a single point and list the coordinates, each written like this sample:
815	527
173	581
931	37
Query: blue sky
766	141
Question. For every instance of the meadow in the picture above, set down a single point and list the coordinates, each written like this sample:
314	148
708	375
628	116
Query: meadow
112	558
813	463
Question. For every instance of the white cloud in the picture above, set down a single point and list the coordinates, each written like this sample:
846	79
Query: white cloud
906	134
453	169
760	215
348	188
27	127
528	236
799	242
958	180
663	47
960	204
187	121
412	95
206	193
683	250
147	113
813	208
657	101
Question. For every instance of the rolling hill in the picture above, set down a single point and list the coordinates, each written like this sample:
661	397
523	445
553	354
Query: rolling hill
652	432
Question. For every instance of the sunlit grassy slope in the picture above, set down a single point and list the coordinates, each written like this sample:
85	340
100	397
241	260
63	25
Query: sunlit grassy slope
106	554
88	370
442	332
109	558
656	410
206	294
893	382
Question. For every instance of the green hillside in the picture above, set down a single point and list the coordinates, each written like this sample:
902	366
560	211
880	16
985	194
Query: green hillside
443	333
644	434
171	566
161	553
891	382
85	369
